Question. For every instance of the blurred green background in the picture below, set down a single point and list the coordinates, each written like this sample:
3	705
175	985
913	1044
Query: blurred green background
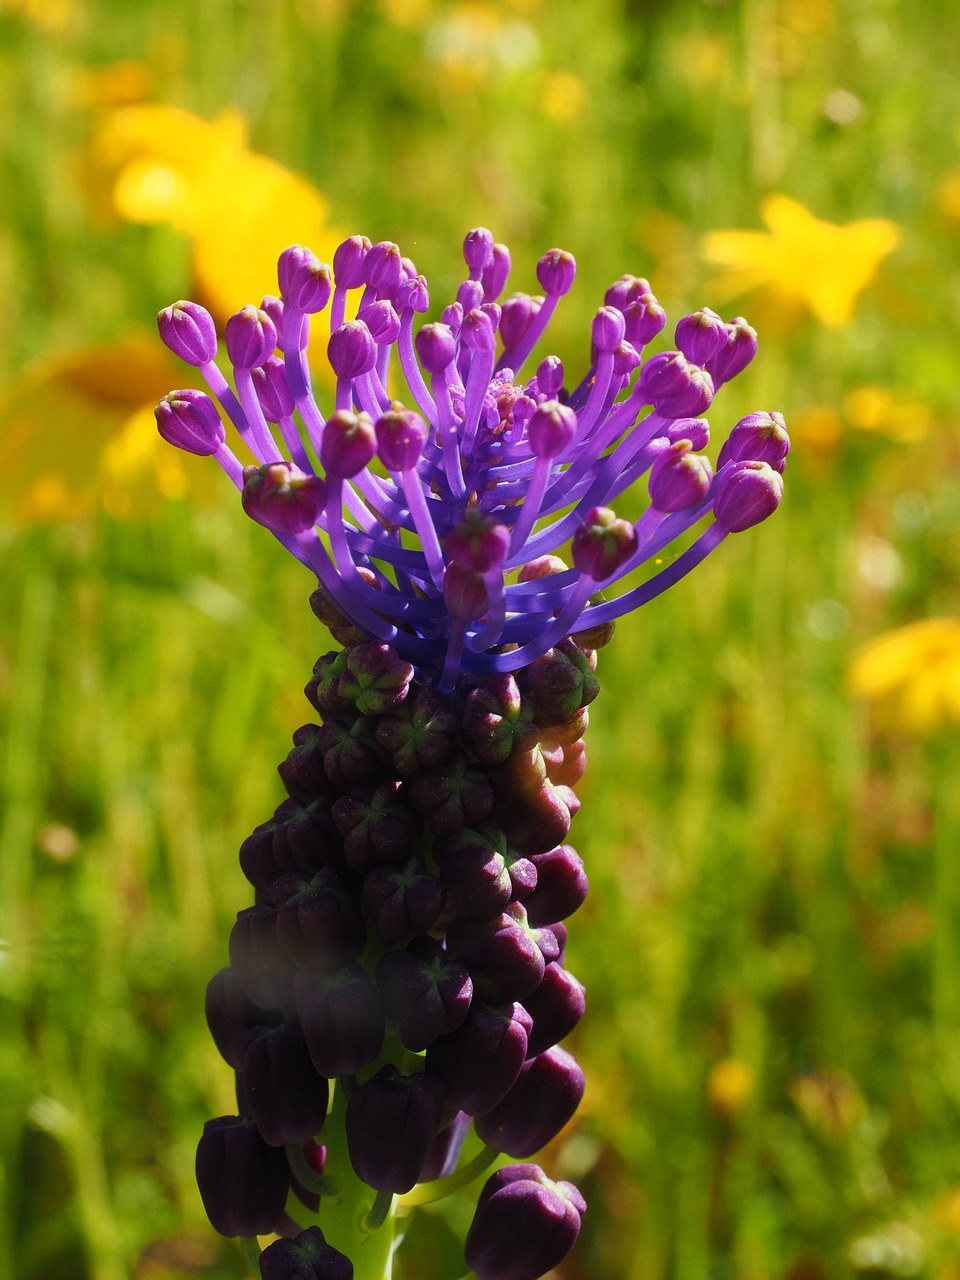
771	811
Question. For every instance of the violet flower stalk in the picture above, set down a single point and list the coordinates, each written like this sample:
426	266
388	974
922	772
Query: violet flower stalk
397	993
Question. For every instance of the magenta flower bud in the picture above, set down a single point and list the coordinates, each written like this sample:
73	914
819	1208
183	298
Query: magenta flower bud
482	875
274	309
544	1098
480	1061
243	1182
550	377
232	1016
350	754
478	249
679	478
287	1098
561	886
556	271
625	291
759	437
377	826
495	274
348	443
453	795
382	321
625	359
696	430
470	295
420	734
282	497
413	293
464	593
517	314
493	312
701	335
376	679
478	542
425	993
675	387
273	391
603	543
561	682
342	1019
319	921
351	350
746	493
741	347
477	331
436	346
251	337
401	435
551	429
189	420
608	329
189	332
401	901
304	280
498	721
383	267
525	1223
392	1122
348	261
306	1257
452	317
502	955
645	319
555	1008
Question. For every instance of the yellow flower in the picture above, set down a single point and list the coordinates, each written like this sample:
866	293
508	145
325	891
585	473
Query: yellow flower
729	1086
912	675
801	262
879	410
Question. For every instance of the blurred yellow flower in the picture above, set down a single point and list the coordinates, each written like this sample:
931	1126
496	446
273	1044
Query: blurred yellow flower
881	411
801	262
49	15
729	1086
563	96
912	675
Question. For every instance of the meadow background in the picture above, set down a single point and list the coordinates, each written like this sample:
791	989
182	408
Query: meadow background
771	813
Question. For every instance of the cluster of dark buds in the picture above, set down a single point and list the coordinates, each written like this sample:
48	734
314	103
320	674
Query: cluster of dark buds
397	994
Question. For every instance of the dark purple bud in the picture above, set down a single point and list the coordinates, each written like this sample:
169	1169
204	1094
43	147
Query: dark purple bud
482	875
383	267
258	860
516	316
243	1182
189	420
550	377
274	309
348	443
302	772
304	280
537	822
555	1007
413	293
376	679
421	733
436	346
561	886
382	321
273	391
351	350
392	1122
502	955
603	543
476	333
232	1016
556	271
281	497
262	967
696	430
377	826
496	272
701	336
287	1098
401	435
348	262
480	1061
740	349
551	429
478	250
323	690
402	900
746	493
452	796
464	592
675	387
626	358
759	437
351	757
470	295
679	478
332	616
478	542
342	1019
524	1225
304	839
496	720
425	993
189	332
251	337
319	921
546	1094
607	329
306	1257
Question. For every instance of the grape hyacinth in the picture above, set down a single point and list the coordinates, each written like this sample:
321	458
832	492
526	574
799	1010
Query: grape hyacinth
397	992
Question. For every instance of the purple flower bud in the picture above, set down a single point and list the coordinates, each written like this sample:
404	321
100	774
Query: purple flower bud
482	875
516	316
243	1182
348	443
733	358
561	885
453	795
342	1019
608	329
679	478
628	289
645	319
696	430
502	955
495	274
746	493
676	388
759	437
383	267
304	840
494	312
273	391
189	332
351	350
436	347
319	921
401	901
470	295
232	1016
478	542
274	309
421	733
306	1257
555	1008
603	543
413	293
445	1152
304	280
377	826
251	337
480	1061
477	331
263	969
545	1096
302	771
189	420
701	335
376	679
524	1225
497	721
392	1122
287	1098
550	377
401	435
409	269
478	249
282	497
382	321
464	593
551	429
348	262
452	317
556	271
425	993
626	358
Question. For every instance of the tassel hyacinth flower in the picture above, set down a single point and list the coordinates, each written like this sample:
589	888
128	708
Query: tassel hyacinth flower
396	995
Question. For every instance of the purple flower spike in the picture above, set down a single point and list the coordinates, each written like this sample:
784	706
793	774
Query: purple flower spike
478	250
679	478
383	267
524	1224
745	494
556	271
251	337
760	437
348	262
188	330
349	443
603	543
351	350
701	336
401	435
392	1122
282	497
306	1257
304	280
436	347
189	420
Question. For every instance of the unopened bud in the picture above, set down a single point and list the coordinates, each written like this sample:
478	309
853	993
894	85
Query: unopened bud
189	420
603	543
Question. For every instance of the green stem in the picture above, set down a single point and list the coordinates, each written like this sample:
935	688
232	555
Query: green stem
308	1178
380	1211
250	1248
440	1188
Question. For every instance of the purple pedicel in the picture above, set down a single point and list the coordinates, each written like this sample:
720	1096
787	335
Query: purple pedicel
189	420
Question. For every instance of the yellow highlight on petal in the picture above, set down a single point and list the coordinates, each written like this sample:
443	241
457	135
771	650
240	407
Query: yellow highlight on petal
912	675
